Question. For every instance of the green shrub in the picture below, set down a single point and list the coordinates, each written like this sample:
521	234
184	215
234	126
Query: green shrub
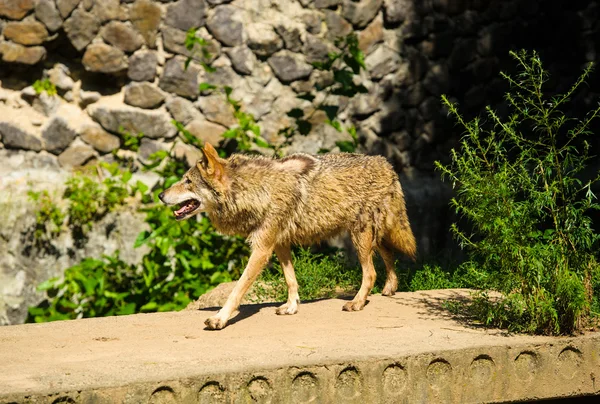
44	86
522	188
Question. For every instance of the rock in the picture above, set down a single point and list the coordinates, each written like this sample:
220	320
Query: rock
29	94
57	134
148	147
153	124
106	10
223	76
16	9
174	41
289	66
183	110
60	76
142	66
225	24
371	36
88	97
175	79
216	109
381	62
315	50
186	14
206	131
337	26
46	104
396	11
437	79
99	139
143	95
14	137
263	39
145	16
291	33
66	6
25	32
217	2
360	13
81	28
312	21
102	58
122	35
187	153
12	52
327	3
76	155
46	12
242	59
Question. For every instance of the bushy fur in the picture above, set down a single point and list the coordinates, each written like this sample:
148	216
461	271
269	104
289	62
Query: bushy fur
300	199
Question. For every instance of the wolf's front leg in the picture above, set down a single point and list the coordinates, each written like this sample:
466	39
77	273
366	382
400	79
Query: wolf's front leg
284	256
258	260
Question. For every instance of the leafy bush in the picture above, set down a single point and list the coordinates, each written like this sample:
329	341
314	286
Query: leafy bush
44	86
523	189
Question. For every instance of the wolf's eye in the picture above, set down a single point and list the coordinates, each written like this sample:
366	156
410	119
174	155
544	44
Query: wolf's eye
188	181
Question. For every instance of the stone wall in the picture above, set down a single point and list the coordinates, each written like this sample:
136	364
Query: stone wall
118	66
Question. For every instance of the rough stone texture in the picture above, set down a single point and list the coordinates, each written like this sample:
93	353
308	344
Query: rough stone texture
215	109
206	131
12	52
81	28
226	26
99	139
143	95
289	66
360	13
176	79
16	138
174	41
88	97
396	11
154	124
145	16
183	110
15	9
46	104
142	66
102	58
76	155
242	59
122	35
46	12
371	36
57	135
291	33
381	62
337	26
25	32
148	147
60	76
66	6
106	10
186	14
329	360
263	39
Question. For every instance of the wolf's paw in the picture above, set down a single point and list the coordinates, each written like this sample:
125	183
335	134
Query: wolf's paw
353	306
287	309
215	323
388	291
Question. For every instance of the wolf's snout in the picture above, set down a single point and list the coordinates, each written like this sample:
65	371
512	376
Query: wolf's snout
161	196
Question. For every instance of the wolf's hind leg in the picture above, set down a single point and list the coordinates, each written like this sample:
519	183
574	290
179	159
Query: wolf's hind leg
258	259
284	256
391	281
363	242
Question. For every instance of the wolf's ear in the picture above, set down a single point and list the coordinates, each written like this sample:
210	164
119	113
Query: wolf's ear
211	163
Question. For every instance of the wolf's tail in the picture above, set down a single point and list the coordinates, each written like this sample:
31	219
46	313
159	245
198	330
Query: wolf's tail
398	234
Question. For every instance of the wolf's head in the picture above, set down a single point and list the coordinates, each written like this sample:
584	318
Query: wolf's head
197	191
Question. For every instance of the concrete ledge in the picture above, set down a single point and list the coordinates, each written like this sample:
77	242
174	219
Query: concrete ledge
398	350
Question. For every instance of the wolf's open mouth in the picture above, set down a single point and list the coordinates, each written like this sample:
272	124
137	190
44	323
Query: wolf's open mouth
186	208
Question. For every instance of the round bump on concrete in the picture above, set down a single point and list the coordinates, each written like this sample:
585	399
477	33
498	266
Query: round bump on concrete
211	392
349	383
305	388
394	379
163	395
482	371
439	373
260	390
526	365
569	362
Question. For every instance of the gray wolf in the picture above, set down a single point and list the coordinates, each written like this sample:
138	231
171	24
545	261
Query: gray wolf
300	199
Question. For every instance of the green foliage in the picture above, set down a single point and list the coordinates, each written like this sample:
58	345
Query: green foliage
318	276
131	141
192	43
523	189
44	86
49	217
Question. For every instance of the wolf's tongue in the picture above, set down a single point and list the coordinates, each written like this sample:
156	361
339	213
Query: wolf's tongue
186	207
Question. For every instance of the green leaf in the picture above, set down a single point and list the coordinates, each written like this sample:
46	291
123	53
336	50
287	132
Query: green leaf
261	142
202	87
346	146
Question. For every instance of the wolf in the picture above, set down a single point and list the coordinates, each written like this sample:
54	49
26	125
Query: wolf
298	200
